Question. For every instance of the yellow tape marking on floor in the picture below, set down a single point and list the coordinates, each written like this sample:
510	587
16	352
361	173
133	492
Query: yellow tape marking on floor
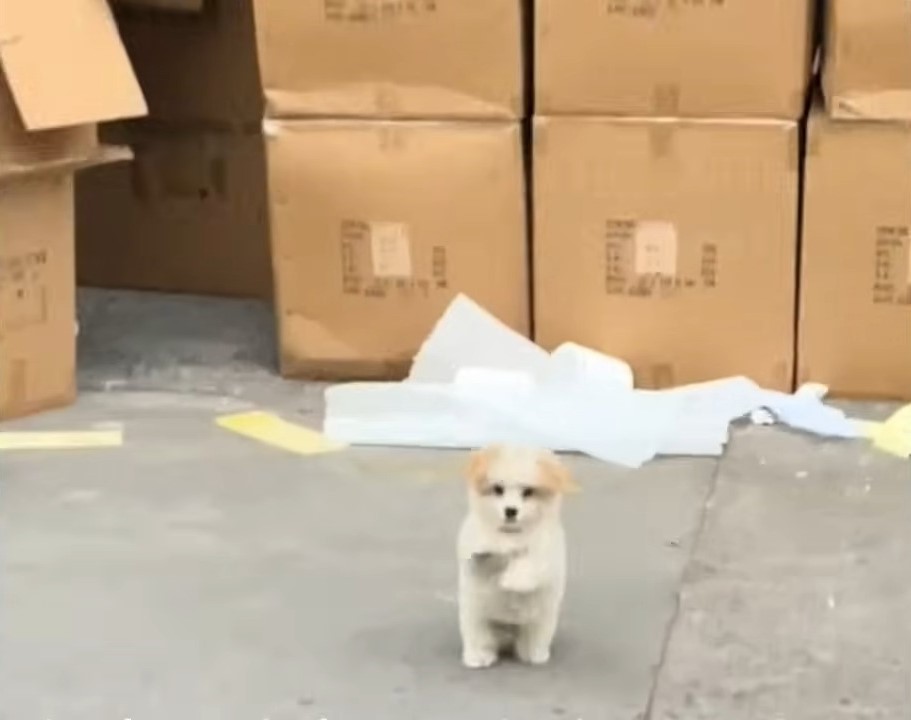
868	428
60	440
894	435
272	430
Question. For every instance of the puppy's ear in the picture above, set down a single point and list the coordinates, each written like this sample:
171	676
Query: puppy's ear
555	477
478	465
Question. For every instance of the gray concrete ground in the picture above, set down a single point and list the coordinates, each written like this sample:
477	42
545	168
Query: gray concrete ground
194	574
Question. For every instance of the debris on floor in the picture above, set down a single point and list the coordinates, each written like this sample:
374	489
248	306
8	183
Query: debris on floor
476	382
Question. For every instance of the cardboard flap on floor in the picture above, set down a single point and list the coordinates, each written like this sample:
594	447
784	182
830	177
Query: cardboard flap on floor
65	63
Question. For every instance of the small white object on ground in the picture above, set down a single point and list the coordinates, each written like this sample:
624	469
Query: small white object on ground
807	391
476	382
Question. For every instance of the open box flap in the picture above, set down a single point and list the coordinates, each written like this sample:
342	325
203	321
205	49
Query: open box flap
66	64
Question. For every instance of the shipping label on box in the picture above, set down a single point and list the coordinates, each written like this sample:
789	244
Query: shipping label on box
893	265
692	58
669	244
855	310
642	259
366	11
377	226
380	259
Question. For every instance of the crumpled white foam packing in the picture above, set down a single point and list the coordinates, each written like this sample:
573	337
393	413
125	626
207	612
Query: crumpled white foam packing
476	382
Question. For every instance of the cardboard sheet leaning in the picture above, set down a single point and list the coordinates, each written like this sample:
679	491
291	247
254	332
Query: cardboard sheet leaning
476	382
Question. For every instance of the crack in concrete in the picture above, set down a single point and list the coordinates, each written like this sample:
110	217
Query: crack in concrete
673	622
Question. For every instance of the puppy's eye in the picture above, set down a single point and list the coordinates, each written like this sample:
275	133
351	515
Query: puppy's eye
496	489
528	493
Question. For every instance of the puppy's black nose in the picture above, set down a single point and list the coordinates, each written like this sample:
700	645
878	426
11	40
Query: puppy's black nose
511	513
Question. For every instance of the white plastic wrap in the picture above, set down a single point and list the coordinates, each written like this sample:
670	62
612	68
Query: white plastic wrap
476	382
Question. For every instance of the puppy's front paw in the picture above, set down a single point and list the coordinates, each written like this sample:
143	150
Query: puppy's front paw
533	655
519	577
478	659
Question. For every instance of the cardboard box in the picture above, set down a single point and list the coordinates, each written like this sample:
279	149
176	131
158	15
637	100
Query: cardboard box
238	61
867	72
702	58
37	295
63	70
669	244
855	318
377	226
189	215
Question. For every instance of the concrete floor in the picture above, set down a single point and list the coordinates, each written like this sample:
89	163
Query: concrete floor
197	575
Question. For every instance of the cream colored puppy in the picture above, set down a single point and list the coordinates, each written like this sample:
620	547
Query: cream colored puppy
512	555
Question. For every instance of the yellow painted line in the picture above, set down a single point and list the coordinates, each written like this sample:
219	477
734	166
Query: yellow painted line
894	435
869	428
60	440
271	430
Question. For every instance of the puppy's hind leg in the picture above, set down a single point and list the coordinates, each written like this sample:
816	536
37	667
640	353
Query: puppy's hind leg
535	638
480	644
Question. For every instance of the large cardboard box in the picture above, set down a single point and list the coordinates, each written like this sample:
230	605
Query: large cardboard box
240	60
189	215
867	71
670	244
376	226
704	58
63	69
855	316
37	295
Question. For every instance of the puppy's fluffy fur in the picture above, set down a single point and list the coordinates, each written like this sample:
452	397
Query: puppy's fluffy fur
512	555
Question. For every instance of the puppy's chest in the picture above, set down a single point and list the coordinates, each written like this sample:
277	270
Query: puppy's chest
498	604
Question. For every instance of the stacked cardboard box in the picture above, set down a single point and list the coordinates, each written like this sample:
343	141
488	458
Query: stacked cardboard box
855	318
47	132
365	155
666	182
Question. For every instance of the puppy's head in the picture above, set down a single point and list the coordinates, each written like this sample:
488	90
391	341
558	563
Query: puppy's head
515	489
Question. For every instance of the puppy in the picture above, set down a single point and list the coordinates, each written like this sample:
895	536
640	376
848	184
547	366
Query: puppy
512	555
